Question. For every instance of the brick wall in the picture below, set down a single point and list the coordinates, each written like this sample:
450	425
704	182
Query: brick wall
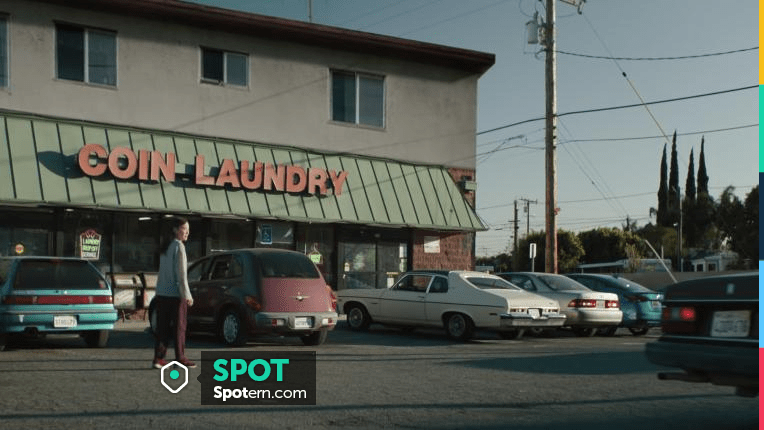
455	251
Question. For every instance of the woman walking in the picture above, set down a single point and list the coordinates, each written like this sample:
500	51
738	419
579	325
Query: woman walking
172	295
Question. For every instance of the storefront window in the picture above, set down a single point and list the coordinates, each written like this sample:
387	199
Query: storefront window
25	233
225	235
275	234
371	258
136	243
317	242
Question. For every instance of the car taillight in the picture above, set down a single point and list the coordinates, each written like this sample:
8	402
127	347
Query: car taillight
252	303
333	307
612	304
582	303
57	300
679	319
20	300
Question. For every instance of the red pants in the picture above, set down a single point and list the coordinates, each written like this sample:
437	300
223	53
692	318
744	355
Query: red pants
171	316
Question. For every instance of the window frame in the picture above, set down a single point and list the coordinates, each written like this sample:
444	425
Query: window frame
225	81
5	41
86	31
358	76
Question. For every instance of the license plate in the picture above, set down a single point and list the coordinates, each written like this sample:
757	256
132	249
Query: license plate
303	322
64	321
534	313
731	324
656	304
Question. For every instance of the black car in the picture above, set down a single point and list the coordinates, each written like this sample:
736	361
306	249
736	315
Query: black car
711	332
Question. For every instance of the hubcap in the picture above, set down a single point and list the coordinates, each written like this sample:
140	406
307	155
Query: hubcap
355	318
456	325
230	328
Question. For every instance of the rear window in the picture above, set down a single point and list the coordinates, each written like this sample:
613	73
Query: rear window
562	283
632	286
486	283
278	265
57	275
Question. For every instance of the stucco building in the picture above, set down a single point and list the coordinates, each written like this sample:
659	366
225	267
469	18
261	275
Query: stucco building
356	148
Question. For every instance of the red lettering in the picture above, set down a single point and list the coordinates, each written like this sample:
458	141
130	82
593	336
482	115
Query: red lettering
83	159
317	181
253	181
228	174
130	168
273	178
337	181
201	178
143	165
167	167
296	179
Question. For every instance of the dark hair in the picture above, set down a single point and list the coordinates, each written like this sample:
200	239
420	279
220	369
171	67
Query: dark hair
173	224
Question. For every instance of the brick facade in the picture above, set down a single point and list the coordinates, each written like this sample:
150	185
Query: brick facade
456	251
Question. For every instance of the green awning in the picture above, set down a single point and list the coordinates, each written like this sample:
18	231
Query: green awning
39	162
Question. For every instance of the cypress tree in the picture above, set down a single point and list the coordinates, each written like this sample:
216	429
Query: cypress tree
661	218
673	184
689	188
702	174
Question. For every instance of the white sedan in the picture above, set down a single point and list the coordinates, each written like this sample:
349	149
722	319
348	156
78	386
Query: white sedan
460	301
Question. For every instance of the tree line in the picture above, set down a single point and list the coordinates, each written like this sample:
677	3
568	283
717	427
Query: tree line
704	224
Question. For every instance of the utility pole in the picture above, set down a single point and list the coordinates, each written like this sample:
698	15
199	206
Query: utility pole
517	227
528	215
551	144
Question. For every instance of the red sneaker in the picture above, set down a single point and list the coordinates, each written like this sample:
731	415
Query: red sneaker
188	363
159	363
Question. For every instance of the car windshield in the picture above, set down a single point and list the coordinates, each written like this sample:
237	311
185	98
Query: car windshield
488	283
57	274
287	265
561	283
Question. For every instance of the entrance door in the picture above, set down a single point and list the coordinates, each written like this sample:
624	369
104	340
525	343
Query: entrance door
370	264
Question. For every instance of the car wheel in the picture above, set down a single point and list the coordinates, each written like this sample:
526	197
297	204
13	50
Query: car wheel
358	318
608	331
459	327
584	331
639	331
231	330
96	338
315	338
512	334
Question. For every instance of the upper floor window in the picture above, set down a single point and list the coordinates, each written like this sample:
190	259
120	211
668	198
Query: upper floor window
358	98
224	67
3	51
86	55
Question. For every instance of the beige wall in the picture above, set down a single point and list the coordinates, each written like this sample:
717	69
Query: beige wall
430	111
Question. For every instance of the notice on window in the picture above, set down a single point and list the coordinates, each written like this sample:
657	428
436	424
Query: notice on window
431	245
90	245
266	234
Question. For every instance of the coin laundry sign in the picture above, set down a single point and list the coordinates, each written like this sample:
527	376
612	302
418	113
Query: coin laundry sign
94	160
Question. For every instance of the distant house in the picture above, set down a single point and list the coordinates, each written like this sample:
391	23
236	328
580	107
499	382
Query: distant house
621	266
707	261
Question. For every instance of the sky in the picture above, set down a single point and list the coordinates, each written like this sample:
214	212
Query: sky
614	54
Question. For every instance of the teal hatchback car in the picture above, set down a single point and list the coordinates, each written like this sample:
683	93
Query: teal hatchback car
54	295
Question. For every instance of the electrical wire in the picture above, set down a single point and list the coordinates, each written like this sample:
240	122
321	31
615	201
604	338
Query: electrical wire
685	57
714	93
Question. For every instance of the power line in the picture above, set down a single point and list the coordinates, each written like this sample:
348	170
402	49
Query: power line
694	133
714	93
601	57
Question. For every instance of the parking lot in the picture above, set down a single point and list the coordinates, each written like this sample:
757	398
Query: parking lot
384	378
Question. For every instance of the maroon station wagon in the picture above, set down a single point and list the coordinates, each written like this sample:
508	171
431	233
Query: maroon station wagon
246	292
